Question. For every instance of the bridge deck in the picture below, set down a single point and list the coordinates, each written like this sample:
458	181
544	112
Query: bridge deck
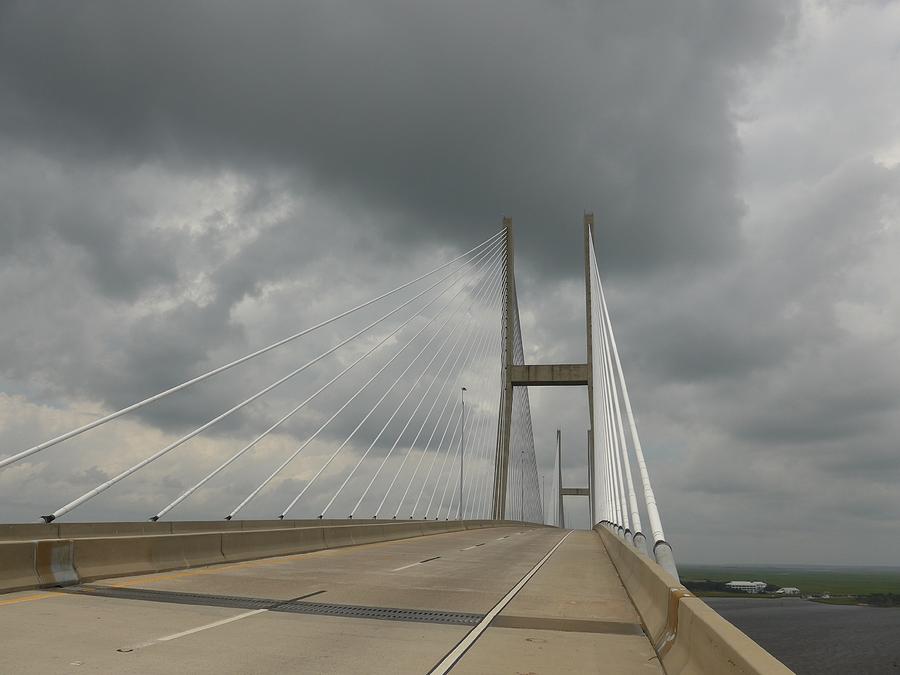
572	615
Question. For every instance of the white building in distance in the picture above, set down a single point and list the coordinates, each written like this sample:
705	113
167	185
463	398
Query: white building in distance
747	586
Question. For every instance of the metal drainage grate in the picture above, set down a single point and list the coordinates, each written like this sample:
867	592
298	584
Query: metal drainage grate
293	605
385	613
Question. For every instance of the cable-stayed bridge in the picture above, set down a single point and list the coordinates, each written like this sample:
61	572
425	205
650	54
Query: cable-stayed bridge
413	531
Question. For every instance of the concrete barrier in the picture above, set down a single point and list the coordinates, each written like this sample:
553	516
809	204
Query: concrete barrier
77	530
64	530
252	544
178	551
28	531
61	561
17	566
102	557
689	637
54	562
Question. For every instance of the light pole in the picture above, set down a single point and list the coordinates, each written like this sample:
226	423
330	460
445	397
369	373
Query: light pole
522	485
544	499
462	450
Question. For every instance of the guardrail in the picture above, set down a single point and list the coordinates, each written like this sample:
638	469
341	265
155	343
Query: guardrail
689	636
102	550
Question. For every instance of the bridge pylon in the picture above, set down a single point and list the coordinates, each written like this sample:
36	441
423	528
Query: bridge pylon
524	375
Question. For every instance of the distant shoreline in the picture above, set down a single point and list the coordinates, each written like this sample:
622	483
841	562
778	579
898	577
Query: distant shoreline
866	586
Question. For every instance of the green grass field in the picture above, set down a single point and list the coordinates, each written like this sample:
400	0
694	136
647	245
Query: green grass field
815	580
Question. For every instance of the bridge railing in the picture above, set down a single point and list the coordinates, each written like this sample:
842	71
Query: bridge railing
687	634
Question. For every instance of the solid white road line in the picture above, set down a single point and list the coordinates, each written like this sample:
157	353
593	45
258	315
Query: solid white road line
457	652
191	631
214	624
405	567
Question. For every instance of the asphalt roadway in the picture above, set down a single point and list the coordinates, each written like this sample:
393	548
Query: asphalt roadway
497	600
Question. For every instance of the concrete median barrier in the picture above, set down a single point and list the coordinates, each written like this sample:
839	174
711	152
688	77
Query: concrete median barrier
178	551
127	529
55	561
252	544
689	636
368	534
28	531
192	526
17	570
102	557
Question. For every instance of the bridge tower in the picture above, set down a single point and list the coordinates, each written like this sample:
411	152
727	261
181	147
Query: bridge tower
532	375
620	511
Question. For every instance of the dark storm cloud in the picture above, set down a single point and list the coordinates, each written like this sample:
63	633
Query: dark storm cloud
442	115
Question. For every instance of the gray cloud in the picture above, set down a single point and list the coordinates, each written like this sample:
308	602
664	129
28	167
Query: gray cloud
184	182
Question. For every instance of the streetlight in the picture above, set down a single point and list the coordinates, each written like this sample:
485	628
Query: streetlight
462	450
522	485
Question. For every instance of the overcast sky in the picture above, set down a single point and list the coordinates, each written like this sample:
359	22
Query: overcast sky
181	183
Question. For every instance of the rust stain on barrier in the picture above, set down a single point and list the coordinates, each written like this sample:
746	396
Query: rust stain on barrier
663	643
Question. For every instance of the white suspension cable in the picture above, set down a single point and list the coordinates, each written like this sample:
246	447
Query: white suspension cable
200	378
476	460
632	499
453	465
440	443
271	476
481	502
649	498
476	441
303	403
437	452
618	518
447	456
421	400
661	549
470	341
466	350
617	457
424	422
478	437
152	458
400	405
340	447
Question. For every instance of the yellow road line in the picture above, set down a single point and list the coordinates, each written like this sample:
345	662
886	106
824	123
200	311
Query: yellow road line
30	598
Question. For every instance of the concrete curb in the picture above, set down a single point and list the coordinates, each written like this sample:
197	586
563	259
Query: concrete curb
139	548
689	636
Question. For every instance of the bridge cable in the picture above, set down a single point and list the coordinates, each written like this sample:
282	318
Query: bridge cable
421	399
265	482
450	395
347	440
136	467
397	409
303	403
665	558
473	491
481	385
632	499
468	350
200	378
465	349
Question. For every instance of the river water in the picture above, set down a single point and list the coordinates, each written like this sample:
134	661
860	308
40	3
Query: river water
812	638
